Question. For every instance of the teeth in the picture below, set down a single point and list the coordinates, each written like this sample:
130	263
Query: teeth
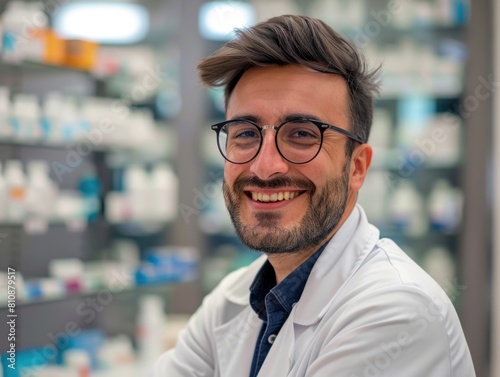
258	196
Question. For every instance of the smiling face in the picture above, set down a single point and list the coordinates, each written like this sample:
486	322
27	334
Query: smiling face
277	206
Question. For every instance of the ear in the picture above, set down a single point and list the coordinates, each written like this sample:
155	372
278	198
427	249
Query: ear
360	162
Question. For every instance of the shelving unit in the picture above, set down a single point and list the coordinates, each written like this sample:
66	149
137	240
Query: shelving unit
29	250
81	296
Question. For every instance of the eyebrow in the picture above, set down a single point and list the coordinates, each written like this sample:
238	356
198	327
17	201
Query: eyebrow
287	118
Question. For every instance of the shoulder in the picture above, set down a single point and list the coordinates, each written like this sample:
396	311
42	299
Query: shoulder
390	295
388	266
389	285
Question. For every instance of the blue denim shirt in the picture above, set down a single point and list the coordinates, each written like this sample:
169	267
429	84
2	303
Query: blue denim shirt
273	303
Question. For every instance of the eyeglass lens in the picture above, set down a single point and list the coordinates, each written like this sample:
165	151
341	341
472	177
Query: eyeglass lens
297	141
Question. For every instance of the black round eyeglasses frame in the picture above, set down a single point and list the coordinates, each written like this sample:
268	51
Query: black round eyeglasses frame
321	125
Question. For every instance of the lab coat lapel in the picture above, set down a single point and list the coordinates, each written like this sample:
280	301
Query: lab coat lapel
235	338
280	357
235	343
343	255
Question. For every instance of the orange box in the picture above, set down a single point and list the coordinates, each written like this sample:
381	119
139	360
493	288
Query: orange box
81	54
55	48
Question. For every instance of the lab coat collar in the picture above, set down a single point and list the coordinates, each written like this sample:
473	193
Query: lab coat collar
342	256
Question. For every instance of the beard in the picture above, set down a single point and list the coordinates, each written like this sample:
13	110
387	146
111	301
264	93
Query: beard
324	212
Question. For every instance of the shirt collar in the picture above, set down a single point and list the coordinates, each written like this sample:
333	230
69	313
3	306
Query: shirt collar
287	292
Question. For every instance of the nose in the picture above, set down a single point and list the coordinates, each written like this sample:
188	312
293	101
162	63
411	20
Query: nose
268	161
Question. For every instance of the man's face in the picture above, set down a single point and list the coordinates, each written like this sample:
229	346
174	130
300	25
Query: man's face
313	195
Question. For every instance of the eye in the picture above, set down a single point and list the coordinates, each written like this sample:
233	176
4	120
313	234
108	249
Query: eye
300	131
242	132
246	133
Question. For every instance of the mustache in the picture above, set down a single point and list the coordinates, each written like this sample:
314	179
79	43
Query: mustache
279	182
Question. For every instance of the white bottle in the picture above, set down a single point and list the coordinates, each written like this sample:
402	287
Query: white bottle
51	128
78	361
445	207
143	130
37	20
41	192
151	322
5	111
14	37
16	191
407	209
26	118
165	192
69	120
136	183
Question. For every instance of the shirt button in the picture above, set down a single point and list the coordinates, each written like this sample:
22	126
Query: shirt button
271	338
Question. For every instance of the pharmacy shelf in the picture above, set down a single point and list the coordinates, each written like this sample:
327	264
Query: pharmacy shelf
64	146
96	291
40	227
38	67
129	228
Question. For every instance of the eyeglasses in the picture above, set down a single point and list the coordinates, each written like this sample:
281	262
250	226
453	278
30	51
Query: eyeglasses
298	141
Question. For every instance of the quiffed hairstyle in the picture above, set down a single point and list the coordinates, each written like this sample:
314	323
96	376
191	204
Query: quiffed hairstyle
292	39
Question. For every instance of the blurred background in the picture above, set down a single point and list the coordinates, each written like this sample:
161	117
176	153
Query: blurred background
112	221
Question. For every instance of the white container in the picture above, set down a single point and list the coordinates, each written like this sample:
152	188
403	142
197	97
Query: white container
445	206
16	191
14	39
52	110
407	209
136	182
35	19
41	192
165	193
150	323
117	354
69	119
26	118
70	207
78	361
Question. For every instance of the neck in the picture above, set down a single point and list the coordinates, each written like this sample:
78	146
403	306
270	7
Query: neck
284	264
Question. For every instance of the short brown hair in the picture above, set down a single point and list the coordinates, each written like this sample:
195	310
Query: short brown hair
292	39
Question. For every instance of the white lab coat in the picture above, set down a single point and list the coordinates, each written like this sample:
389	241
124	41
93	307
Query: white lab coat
367	310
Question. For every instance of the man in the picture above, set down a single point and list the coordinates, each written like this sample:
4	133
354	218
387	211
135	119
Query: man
328	297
